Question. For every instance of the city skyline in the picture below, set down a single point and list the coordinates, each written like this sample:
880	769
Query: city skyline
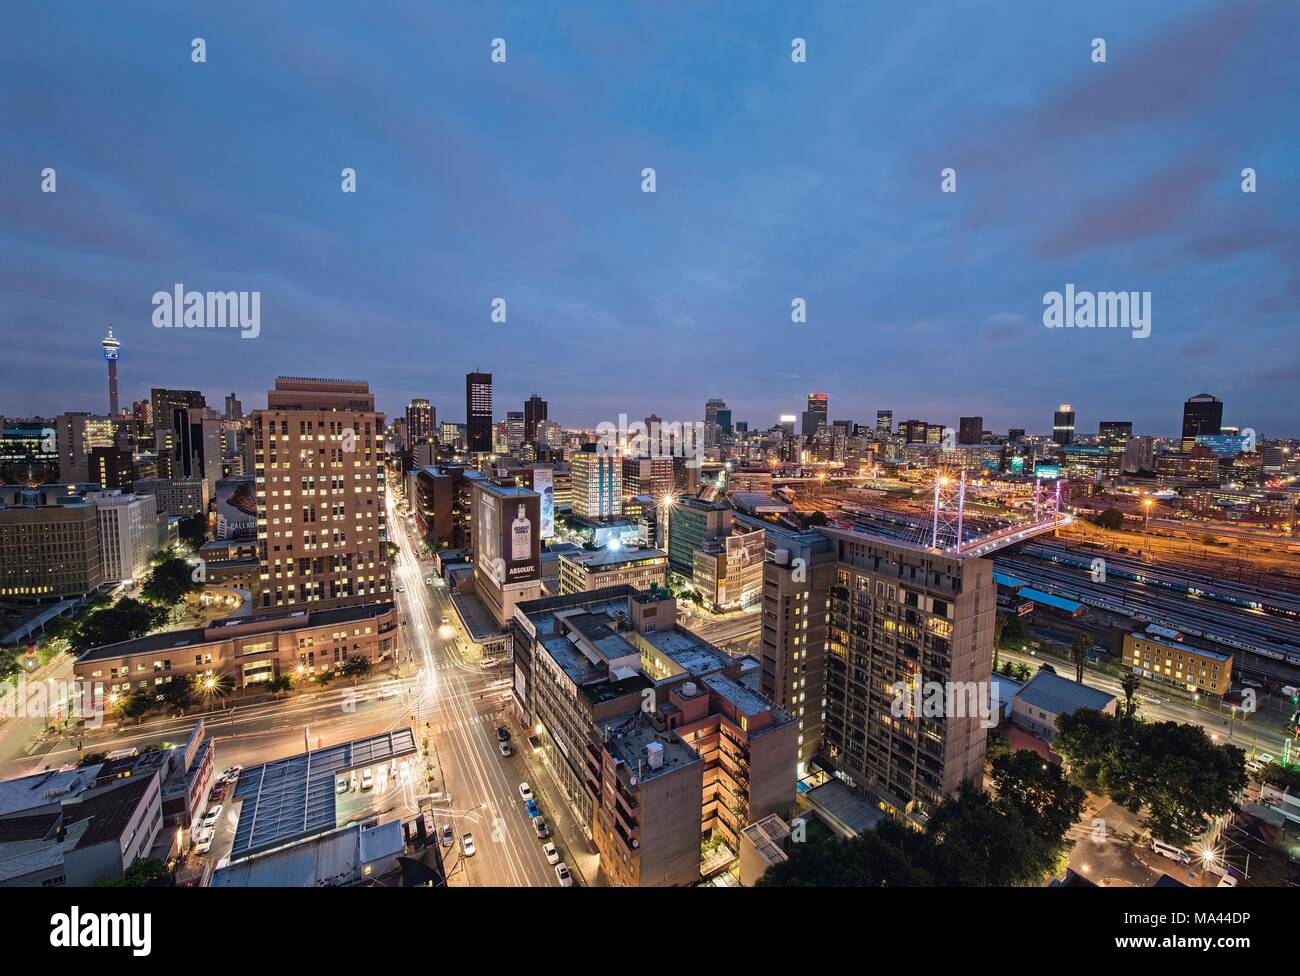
922	302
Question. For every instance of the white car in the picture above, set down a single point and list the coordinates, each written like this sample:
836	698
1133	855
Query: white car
1227	881
467	844
562	872
1266	758
525	792
341	786
203	840
367	781
552	855
487	662
445	621
401	589
212	815
386	693
504	747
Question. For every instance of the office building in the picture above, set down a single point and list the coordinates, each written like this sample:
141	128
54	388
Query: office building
1139	455
1169	661
970	430
884	423
76	435
597	479
319	468
727	571
181	497
692	524
244	652
421	422
507	538
816	414
49	543
1114	435
1202	414
129	534
1063	425
652	739
651	476
534	414
478	413
900	613
587	570
515	430
163	405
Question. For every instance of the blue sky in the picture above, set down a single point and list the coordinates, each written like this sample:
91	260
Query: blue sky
522	180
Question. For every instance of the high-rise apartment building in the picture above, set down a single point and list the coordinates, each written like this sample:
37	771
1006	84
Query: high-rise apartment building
1202	414
1063	425
478	412
903	622
319	467
597	482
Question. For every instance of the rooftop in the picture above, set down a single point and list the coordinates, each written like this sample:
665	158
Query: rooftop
170	639
1060	696
627	738
336	858
292	798
606	558
1176	646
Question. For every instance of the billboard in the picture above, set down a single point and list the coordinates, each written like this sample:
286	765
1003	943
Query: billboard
544	485
507	538
1047	471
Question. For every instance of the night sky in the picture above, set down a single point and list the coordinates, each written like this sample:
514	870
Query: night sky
775	180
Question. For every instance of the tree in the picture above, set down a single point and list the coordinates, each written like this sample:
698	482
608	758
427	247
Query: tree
890	856
1185	780
280	683
146	872
124	620
1111	518
136	703
1047	800
356	667
171	581
178	694
1079	648
1086	739
1015	632
979	842
1130	683
194	531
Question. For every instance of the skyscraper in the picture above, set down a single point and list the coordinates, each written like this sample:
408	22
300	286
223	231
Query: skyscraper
1202	414
597	483
421	421
816	414
970	430
163	406
1114	435
1063	425
884	423
478	412
534	414
319	467
111	347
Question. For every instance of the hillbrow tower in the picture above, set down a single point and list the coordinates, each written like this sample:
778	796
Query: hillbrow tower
111	346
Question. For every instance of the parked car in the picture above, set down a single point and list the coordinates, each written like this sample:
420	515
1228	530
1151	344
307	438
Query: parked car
341	786
203	840
552	855
525	792
562	872
504	747
1170	851
539	825
503	733
367	781
210	819
401	589
448	836
467	844
487	662
532	808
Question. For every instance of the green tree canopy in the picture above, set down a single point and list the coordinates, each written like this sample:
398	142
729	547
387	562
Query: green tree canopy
171	581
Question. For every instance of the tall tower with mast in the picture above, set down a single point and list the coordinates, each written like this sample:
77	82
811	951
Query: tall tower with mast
111	346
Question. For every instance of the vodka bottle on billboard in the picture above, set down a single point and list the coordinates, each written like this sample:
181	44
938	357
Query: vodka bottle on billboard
521	537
